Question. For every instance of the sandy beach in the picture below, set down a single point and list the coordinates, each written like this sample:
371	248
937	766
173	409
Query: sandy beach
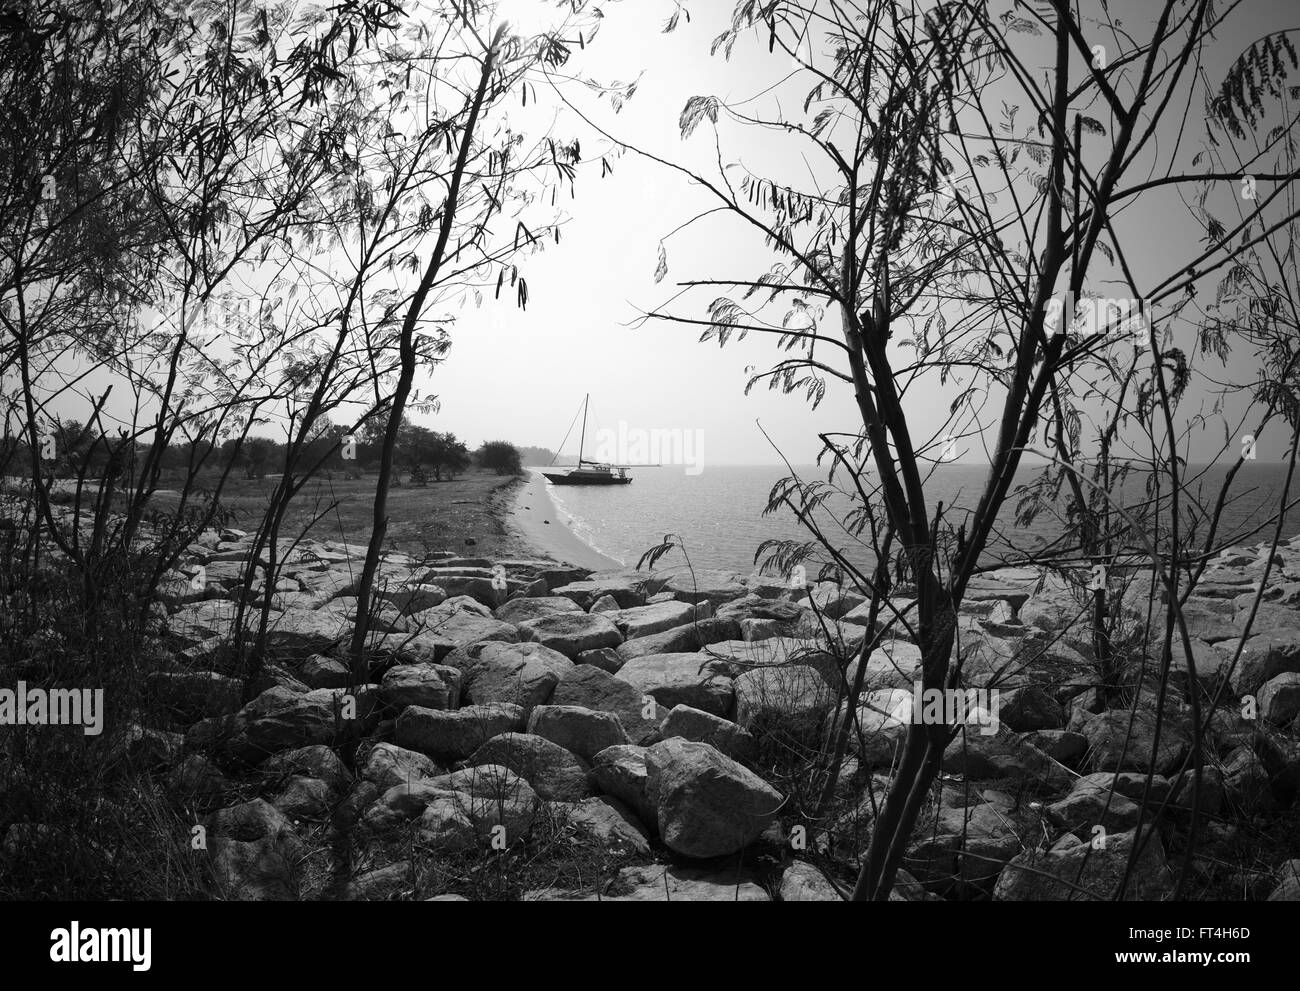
539	522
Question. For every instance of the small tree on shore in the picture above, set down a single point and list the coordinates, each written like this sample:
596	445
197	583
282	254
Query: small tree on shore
500	456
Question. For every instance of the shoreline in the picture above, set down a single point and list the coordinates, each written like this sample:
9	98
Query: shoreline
532	515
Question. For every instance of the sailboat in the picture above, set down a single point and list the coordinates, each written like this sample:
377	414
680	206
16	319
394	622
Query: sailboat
589	472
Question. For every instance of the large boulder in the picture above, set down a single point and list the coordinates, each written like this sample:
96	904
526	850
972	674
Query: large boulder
388	765
704	727
571	633
1086	871
301	632
682	639
882	721
802	882
201	621
490	807
432	686
620	771
553	772
1263	658
444	632
706	585
452	736
893	664
591	688
280	719
707	804
964	846
693	679
610	823
1031	708
1210	620
522	610
783	613
832	600
255	853
641	621
1279	699
1094	802
584	732
523	673
628	588
1112	747
744	655
793	700
980	756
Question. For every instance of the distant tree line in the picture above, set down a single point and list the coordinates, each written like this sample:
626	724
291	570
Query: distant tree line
71	449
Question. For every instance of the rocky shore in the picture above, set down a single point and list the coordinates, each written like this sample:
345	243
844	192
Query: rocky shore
635	717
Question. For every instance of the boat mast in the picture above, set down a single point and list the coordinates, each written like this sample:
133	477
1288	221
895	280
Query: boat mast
583	440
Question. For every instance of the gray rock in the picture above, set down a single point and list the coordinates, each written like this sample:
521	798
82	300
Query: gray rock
620	772
497	812
1108	733
313	762
1246	782
706	585
195	777
1040	875
378	885
254	852
302	632
641	621
882	725
1092	802
452	736
522	673
1031	708
301	798
1061	745
802	882
584	732
388	765
279	719
1288	886
610	823
1263	658
319	671
681	639
693	679
707	805
553	772
794	700
571	633
1279	699
432	686
591	688
522	610
704	727
628	589
605	658
834	601
1003	755
445	632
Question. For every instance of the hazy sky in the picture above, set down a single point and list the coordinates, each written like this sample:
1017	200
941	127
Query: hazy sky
521	375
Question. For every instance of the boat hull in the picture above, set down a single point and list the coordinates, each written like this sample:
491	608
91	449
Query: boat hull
568	479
